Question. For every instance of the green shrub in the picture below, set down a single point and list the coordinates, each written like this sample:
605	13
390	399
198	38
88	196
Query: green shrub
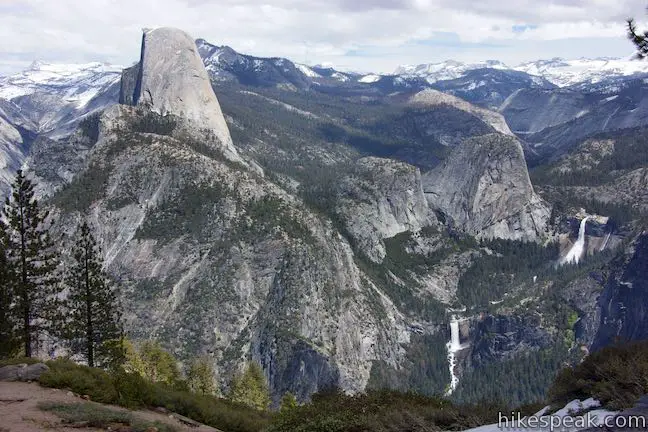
83	380
93	414
131	390
97	416
381	411
616	376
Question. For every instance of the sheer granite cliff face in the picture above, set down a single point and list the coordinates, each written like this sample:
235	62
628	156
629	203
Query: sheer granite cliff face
624	300
380	199
171	79
12	153
484	188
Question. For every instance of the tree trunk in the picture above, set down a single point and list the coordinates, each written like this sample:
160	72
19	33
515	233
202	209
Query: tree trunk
89	329
24	290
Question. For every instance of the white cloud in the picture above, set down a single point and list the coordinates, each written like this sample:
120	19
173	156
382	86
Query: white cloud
385	32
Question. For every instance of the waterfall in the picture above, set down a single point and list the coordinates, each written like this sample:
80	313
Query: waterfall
455	343
576	252
453	347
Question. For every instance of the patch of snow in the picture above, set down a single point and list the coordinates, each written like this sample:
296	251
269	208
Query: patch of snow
307	71
286	106
340	77
447	70
368	79
557	71
596	415
473	85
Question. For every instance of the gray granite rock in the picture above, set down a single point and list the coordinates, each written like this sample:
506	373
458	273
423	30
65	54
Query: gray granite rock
23	372
484	188
172	80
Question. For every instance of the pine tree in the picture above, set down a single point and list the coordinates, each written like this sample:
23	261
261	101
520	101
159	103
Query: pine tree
152	362
640	40
93	320
288	403
200	376
8	341
251	388
32	259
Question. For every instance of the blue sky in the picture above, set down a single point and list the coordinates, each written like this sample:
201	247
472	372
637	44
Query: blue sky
363	35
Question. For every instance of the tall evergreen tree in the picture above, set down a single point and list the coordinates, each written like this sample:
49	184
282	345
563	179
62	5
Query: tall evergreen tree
200	376
251	388
32	259
8	341
93	320
639	39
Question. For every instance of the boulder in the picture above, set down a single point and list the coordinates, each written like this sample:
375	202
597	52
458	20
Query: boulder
23	372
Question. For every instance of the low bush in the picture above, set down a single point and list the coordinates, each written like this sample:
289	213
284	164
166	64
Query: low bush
96	416
93	415
80	379
381	411
616	376
132	391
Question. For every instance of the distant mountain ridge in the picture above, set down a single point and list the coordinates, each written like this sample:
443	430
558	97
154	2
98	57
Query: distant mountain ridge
598	94
558	71
79	83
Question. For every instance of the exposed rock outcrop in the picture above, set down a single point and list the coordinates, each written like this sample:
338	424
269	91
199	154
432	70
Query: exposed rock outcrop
12	153
500	337
628	189
430	97
23	372
382	198
624	300
484	188
129	84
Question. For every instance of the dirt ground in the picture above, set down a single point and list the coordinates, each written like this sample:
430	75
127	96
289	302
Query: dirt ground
19	411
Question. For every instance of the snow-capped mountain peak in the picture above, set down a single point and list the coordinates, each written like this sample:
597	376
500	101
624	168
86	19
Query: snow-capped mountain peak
446	70
570	72
557	70
78	82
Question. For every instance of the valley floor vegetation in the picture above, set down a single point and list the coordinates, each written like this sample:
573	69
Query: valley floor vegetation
102	364
615	375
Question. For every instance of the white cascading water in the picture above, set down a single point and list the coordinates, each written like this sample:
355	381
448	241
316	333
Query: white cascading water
455	343
453	346
576	252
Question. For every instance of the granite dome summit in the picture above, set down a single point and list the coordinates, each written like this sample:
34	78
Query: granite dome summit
171	79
